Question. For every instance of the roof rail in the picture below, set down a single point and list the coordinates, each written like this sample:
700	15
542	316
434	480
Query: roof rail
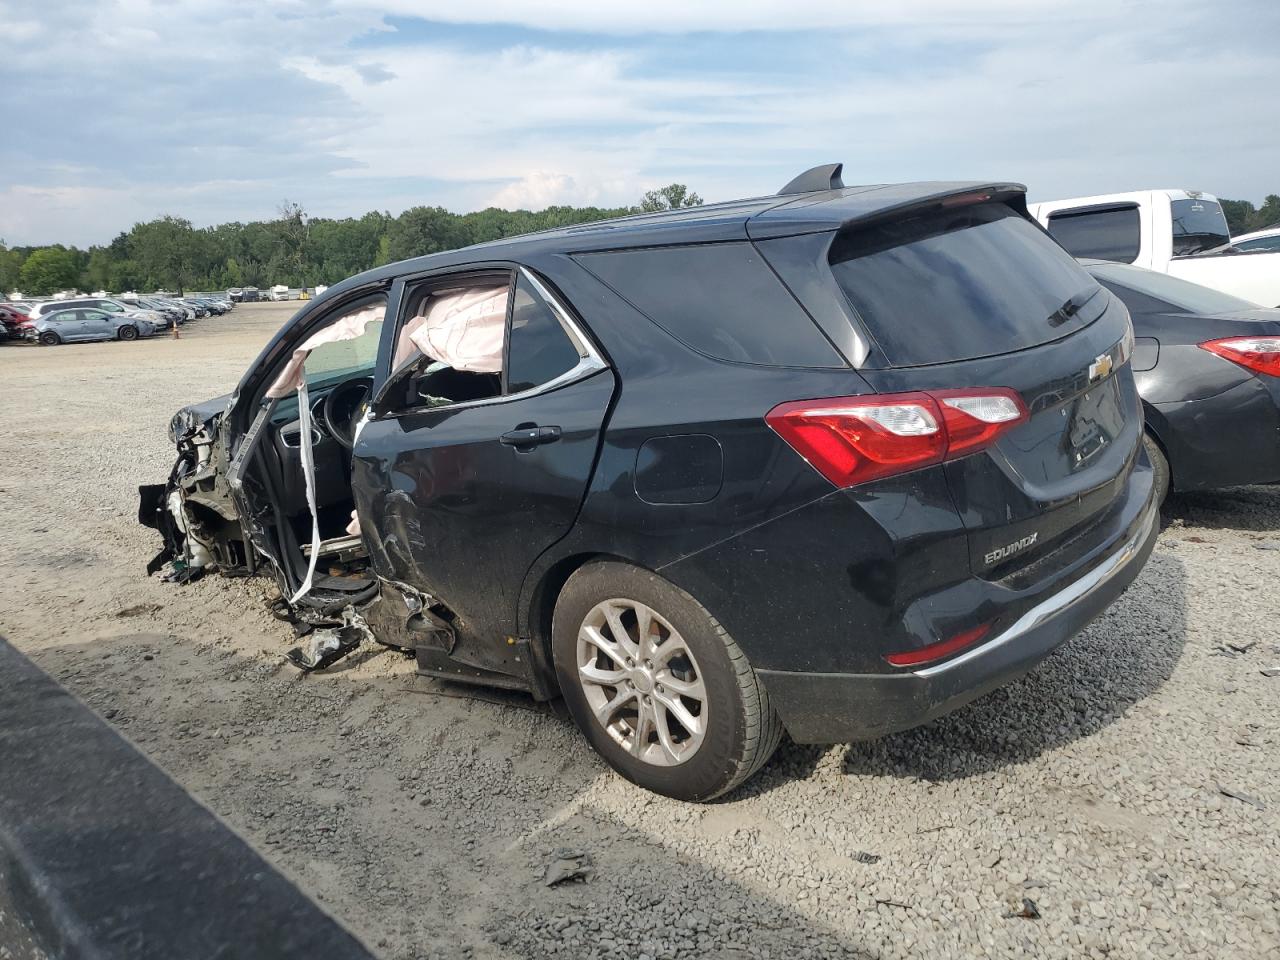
824	177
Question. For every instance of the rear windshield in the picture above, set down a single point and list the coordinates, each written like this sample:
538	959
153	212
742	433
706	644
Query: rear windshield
973	282
1198	225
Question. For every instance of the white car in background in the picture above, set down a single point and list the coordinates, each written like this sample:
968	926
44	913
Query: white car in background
1268	239
1179	232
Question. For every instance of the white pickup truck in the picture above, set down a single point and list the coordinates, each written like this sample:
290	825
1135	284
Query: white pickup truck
1179	232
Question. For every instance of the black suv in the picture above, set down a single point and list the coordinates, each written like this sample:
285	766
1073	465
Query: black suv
835	461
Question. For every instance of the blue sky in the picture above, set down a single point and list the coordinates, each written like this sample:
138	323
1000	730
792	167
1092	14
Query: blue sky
218	110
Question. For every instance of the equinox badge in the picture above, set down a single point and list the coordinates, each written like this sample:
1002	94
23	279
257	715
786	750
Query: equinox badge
1009	549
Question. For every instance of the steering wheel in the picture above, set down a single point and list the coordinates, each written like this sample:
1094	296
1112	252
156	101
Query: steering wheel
343	408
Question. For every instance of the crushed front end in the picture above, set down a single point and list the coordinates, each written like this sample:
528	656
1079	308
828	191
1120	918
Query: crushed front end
194	510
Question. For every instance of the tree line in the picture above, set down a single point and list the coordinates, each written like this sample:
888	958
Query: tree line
1243	217
302	251
294	249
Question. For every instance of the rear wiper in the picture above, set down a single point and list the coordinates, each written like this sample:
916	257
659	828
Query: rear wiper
1073	306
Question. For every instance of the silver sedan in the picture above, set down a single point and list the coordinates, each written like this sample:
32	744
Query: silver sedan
87	323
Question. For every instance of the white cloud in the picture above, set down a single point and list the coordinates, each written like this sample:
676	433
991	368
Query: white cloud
216	109
678	16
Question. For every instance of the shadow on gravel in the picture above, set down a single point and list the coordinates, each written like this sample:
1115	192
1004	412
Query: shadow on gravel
1239	508
1123	657
423	814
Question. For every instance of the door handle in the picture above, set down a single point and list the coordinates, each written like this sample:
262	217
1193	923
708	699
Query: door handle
526	437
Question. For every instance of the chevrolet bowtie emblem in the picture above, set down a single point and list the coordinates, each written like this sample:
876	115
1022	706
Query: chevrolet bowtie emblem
1100	367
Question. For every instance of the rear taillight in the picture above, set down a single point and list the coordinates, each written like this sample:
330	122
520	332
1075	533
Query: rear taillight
851	440
1259	354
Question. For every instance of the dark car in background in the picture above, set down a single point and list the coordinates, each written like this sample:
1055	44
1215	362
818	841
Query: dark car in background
15	322
837	461
213	306
1207	366
172	313
201	311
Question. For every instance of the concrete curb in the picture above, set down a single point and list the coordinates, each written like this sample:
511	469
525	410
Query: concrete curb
103	856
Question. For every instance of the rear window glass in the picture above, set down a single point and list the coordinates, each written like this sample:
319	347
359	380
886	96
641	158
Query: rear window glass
1198	225
538	349
1262	243
974	282
721	299
1113	234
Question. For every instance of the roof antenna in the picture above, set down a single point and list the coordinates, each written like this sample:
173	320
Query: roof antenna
824	177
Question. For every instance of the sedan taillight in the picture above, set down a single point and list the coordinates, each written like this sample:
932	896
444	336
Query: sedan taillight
851	440
1259	354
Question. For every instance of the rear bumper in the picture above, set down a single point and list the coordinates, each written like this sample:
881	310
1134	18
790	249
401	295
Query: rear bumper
839	707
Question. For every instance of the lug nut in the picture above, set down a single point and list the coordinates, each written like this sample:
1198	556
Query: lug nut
648	664
630	662
659	688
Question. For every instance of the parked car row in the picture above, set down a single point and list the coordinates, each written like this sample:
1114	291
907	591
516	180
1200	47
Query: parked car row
126	317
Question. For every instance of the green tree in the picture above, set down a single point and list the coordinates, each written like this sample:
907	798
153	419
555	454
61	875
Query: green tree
1243	217
294	248
294	232
671	197
422	230
1239	214
48	270
10	270
1269	214
165	252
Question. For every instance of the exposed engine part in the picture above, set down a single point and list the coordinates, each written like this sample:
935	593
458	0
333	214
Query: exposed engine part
197	552
325	647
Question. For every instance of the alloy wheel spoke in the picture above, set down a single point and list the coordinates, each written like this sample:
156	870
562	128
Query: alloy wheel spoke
664	736
620	635
686	719
605	712
597	639
693	689
644	624
604	677
643	727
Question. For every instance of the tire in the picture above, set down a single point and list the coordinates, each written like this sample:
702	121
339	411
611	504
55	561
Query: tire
49	339
128	333
739	729
1161	465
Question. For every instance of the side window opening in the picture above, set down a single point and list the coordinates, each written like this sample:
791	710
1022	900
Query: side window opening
450	349
491	336
345	346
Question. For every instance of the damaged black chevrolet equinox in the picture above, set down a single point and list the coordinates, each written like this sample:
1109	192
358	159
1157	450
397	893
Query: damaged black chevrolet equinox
834	462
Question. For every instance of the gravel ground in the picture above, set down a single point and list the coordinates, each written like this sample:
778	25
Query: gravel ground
423	814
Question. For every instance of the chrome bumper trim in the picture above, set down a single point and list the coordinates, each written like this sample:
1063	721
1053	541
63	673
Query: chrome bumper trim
1054	605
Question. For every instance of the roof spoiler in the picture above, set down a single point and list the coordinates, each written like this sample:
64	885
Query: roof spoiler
824	177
